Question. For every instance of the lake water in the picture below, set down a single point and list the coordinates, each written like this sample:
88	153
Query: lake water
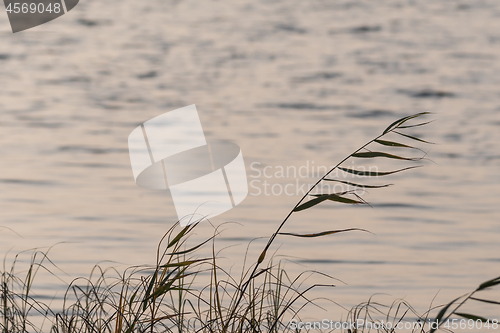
293	83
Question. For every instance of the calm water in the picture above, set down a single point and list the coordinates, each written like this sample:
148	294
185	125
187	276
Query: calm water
293	83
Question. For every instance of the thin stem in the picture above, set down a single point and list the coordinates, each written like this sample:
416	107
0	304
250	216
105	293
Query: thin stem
271	239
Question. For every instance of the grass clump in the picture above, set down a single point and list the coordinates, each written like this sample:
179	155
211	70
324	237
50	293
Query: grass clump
166	297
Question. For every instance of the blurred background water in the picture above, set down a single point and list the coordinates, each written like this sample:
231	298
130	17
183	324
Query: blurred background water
291	82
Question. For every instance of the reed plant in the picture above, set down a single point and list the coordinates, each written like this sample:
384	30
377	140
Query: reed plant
166	296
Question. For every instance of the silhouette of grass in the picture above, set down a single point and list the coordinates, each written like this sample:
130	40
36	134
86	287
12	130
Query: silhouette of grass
164	297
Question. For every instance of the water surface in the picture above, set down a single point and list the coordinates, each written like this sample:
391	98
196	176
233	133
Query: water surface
292	83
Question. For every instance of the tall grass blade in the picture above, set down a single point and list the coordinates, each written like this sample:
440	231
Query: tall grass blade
473	317
490	283
324	233
339	198
184	263
373	154
357	185
416	125
402	121
322	197
485	300
414	138
392	144
194	248
311	203
178	237
441	313
375	173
